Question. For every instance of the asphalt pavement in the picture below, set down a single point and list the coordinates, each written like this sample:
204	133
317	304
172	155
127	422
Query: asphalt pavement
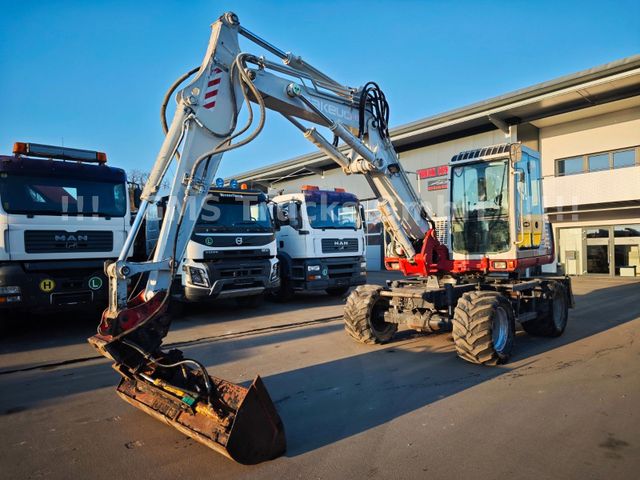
567	407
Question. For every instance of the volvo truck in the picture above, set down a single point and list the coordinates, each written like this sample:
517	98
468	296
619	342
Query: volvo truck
232	251
63	212
321	241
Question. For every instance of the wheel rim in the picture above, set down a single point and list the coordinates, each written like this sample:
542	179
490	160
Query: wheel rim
558	311
500	329
377	316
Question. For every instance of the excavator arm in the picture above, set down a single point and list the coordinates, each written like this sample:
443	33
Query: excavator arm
238	422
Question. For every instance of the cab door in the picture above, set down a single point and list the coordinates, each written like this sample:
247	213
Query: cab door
529	209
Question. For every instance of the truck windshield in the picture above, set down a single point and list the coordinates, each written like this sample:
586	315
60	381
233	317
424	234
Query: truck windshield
228	212
53	195
336	215
479	202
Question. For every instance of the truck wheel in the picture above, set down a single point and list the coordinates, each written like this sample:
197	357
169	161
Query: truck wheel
6	324
253	301
552	321
176	307
364	316
337	291
283	293
483	328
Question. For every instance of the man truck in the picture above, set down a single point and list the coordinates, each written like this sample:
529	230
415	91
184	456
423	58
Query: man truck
321	241
63	212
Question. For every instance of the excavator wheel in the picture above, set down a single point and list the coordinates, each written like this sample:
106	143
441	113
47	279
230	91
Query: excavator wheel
364	316
483	328
552	322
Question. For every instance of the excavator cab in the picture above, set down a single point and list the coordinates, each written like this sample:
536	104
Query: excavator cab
496	209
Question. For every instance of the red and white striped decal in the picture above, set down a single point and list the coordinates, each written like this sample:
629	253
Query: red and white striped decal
212	89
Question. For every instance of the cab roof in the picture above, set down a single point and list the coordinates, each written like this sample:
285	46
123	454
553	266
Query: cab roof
38	166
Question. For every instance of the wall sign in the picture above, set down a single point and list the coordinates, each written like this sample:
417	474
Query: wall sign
438	185
431	172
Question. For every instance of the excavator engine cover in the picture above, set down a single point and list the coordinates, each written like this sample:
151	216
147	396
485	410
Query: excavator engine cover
254	434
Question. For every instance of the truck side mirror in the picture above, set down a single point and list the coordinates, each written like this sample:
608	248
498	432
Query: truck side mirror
134	196
295	220
288	213
361	218
273	212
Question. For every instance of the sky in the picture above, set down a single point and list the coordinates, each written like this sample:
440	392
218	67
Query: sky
92	74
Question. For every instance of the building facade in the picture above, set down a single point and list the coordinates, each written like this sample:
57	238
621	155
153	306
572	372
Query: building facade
586	127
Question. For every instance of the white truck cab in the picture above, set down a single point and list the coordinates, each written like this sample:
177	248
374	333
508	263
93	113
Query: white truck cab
63	212
232	251
321	241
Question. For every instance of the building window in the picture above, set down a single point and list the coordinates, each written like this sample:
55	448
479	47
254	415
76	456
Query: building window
624	158
606	249
594	162
598	162
570	166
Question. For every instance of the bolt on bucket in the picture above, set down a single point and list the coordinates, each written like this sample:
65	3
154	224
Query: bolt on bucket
245	428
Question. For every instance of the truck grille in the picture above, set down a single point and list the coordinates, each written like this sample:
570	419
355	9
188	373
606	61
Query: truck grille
342	270
51	241
240	272
244	254
339	245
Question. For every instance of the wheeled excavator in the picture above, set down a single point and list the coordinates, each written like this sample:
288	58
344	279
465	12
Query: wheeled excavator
467	276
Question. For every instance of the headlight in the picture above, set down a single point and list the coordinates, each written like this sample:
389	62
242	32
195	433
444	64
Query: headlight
313	268
12	290
198	277
363	265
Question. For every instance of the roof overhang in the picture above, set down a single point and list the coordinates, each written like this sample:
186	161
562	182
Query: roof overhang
597	86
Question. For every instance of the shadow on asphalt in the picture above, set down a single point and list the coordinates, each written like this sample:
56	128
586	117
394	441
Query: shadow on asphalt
325	403
32	332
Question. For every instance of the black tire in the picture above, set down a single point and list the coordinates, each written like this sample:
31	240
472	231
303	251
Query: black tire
283	293
553	320
176	308
8	323
337	291
483	328
252	301
364	316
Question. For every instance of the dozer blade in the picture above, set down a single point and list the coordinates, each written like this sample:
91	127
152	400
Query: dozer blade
255	432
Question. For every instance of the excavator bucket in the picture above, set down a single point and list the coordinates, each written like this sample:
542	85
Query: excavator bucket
253	433
240	423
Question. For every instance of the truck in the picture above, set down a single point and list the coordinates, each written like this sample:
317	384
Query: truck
232	251
321	241
63	212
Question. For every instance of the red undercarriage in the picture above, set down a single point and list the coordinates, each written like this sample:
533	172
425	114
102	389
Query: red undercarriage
434	259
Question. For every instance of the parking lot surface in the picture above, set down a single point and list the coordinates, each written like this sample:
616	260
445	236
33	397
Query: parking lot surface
567	407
